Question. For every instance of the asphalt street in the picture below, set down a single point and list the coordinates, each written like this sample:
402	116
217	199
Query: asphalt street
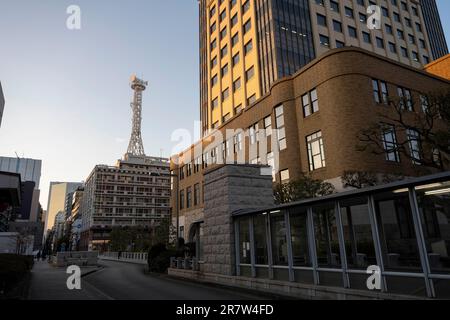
124	281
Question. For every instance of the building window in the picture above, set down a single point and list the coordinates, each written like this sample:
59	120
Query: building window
316	153
238	142
226	117
253	133
215	103
414	145
223	33
238	109
380	91
196	194
188	197
213	44
271	163
224	70
234	20
310	103
405	96
324	40
321	20
213	28
392	47
223	15
237	84
251	99
224	51
380	43
388	28
340	44
225	94
334	6
214	80
424	102
268	125
181	199
235	40
363	18
249	73
390	143
284	176
281	130
337	26
248	47
352	32
366	37
245	6
247	26
236	59
214	62
349	12
212	12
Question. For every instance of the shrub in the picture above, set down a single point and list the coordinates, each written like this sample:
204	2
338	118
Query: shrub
159	258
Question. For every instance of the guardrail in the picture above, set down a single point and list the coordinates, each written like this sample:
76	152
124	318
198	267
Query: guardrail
186	263
132	257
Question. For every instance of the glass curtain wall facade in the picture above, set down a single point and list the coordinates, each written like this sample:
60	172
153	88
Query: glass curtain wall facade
403	228
434	27
285	38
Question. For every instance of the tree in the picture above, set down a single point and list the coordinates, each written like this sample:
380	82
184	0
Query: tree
304	187
422	132
365	179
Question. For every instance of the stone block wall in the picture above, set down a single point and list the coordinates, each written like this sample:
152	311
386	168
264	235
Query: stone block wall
229	188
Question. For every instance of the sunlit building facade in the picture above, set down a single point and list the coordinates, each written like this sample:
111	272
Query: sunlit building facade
247	45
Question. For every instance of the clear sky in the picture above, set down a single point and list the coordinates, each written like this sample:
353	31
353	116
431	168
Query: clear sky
67	92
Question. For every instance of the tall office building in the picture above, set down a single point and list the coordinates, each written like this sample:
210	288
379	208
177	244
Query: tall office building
247	45
30	174
135	192
29	169
433	24
57	200
2	103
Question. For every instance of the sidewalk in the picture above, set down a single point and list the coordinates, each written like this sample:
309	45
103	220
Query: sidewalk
49	283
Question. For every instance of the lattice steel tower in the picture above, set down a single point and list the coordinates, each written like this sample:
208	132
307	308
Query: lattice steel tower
136	147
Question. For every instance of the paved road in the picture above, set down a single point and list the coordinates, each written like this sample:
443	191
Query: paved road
124	281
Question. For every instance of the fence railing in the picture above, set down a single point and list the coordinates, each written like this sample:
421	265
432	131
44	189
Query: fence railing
133	257
184	263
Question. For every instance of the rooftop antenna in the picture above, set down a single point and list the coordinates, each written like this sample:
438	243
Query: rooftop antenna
136	146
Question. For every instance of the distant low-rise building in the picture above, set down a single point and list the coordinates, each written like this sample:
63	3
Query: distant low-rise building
135	192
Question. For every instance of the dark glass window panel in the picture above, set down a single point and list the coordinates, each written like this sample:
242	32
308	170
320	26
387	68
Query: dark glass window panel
325	232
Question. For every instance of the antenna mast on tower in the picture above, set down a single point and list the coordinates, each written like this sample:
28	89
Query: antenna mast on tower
136	147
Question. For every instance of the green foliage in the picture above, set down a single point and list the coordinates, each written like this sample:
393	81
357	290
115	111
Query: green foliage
303	188
135	239
159	257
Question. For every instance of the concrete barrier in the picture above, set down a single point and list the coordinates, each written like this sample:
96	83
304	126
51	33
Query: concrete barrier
79	258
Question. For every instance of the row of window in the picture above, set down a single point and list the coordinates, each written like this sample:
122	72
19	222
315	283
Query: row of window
391	147
353	33
334	6
223	13
249	74
325	41
192	197
381	95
